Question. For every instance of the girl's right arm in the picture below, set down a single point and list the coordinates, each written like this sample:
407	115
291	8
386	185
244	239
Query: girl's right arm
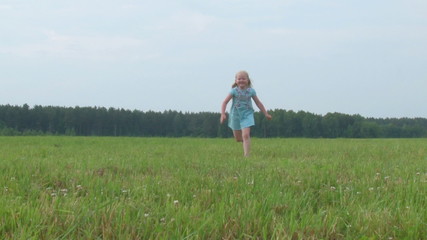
224	106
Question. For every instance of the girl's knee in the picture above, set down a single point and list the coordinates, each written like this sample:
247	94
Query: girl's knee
246	134
246	137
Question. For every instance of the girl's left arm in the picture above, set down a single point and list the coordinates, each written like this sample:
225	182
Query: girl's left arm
261	107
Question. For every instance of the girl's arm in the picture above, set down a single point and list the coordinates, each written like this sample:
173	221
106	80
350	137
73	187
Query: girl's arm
223	107
261	107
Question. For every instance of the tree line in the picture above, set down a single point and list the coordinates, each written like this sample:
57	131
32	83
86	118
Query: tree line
100	121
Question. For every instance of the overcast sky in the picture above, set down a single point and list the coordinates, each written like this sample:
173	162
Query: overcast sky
320	56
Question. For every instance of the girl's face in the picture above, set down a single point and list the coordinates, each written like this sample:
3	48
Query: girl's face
242	80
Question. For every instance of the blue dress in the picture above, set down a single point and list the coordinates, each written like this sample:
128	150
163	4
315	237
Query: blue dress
241	112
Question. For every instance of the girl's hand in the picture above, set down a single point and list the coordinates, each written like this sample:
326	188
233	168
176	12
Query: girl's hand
223	117
268	116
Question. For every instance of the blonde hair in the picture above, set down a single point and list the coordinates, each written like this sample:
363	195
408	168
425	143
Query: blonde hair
247	75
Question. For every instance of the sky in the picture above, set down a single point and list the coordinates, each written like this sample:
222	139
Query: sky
318	56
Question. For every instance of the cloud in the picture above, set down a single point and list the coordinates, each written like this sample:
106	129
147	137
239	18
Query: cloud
74	46
5	7
187	23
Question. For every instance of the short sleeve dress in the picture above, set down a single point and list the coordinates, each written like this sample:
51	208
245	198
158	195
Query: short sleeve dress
241	112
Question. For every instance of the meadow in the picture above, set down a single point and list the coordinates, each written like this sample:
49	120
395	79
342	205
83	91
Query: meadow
194	188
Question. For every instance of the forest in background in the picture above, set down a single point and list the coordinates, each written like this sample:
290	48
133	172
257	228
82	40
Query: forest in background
100	121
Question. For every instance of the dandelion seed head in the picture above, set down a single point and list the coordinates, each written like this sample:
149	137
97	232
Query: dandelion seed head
146	215
176	202
371	189
333	188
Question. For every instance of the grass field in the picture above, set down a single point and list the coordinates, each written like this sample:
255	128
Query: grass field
189	188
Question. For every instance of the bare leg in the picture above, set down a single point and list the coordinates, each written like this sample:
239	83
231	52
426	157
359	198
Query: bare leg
246	134
238	135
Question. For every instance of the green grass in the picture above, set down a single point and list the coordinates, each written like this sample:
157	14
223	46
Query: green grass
185	188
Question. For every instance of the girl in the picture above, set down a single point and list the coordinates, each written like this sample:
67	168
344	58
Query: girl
241	112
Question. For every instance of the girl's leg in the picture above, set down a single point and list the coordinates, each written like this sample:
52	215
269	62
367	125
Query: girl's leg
238	135
246	135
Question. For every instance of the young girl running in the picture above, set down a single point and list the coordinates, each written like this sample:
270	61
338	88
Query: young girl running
242	113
